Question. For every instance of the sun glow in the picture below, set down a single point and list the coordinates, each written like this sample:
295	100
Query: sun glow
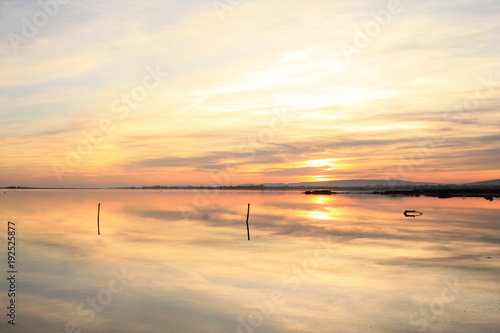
225	104
327	162
319	215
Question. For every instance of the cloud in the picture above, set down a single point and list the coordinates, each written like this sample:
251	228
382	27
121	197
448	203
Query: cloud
226	77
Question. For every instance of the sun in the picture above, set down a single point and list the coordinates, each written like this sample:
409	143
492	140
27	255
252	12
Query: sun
326	162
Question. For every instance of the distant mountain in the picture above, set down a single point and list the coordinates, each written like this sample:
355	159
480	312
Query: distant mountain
380	183
355	183
487	183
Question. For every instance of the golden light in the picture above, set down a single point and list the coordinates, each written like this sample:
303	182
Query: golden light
319	215
327	162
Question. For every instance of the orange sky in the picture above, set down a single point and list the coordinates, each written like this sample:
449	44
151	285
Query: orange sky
170	93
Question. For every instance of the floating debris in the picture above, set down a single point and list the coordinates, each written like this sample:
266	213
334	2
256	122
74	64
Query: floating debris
412	213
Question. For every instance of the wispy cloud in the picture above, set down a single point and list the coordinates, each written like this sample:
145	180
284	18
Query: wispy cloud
226	77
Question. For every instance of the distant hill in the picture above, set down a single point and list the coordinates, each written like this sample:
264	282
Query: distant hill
487	183
380	183
355	183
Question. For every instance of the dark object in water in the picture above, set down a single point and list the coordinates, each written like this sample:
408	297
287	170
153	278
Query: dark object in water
444	195
489	197
412	213
248	228
320	192
98	211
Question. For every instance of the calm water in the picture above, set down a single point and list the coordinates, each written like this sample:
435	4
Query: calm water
178	261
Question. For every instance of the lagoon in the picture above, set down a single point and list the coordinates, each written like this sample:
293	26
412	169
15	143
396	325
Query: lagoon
180	261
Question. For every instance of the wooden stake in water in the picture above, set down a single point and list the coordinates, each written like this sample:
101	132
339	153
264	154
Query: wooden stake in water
98	227
248	228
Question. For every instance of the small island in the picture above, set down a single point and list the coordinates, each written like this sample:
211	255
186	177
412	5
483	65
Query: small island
320	192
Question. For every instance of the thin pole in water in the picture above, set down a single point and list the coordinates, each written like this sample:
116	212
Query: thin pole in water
248	228
98	227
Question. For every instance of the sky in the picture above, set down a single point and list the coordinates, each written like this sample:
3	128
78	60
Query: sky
201	92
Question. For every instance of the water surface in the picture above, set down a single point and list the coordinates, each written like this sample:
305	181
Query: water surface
179	261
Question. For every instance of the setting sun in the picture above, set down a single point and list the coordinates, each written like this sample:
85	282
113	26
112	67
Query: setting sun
250	166
180	93
327	162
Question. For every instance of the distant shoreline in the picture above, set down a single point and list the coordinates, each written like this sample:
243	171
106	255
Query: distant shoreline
488	193
444	193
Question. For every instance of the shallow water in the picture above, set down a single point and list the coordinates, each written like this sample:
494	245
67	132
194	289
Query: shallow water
179	261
